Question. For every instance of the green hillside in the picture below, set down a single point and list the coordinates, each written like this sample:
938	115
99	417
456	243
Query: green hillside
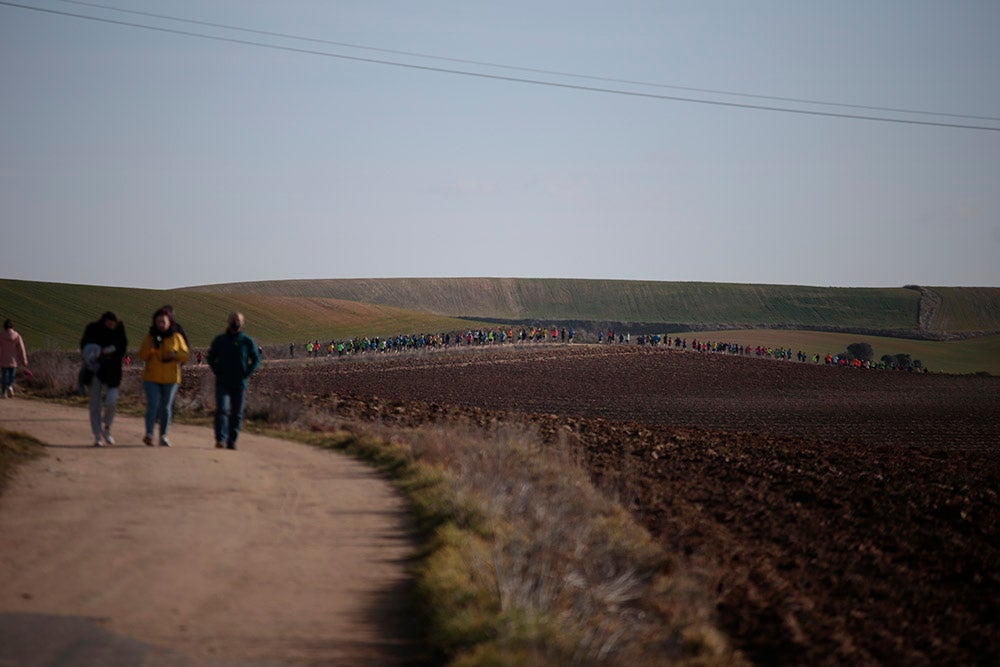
900	310
53	315
966	309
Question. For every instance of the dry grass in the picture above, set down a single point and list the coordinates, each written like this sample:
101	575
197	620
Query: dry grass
526	563
54	373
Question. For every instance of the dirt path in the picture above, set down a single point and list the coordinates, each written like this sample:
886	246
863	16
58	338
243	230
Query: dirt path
277	553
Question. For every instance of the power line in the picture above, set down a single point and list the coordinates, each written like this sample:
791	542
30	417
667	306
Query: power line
531	69
497	77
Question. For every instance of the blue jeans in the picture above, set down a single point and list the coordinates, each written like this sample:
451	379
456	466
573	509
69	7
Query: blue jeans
159	406
229	402
8	377
97	421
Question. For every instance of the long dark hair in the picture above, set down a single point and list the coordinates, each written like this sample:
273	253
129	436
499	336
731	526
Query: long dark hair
158	335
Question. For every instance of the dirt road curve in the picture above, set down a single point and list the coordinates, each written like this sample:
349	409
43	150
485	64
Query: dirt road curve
277	553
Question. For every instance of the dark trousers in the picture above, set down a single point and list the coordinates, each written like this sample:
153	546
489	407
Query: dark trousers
229	402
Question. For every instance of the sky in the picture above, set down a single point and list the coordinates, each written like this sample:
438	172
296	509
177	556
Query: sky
664	140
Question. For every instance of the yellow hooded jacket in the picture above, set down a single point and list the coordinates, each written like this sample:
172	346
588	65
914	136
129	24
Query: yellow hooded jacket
159	367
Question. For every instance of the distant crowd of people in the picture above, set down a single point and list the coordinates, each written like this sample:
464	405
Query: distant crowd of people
502	336
404	342
725	348
781	353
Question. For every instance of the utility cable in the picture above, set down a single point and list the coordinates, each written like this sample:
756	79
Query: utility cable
496	77
530	69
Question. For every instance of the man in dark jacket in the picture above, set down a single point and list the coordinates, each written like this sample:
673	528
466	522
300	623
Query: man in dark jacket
233	357
103	346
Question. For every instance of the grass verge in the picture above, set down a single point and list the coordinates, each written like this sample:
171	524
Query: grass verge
15	449
523	562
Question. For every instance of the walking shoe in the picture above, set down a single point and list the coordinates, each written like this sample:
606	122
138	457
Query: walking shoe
108	437
97	442
231	446
147	440
10	392
219	444
164	442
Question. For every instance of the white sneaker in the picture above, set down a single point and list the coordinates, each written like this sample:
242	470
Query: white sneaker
10	392
108	437
164	442
97	442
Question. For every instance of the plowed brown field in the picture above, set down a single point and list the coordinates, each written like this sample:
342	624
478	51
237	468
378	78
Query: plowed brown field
852	516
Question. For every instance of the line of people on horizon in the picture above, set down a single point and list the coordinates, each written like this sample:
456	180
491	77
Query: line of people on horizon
493	336
405	342
783	353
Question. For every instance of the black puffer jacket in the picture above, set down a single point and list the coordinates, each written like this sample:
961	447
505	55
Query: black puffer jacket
110	370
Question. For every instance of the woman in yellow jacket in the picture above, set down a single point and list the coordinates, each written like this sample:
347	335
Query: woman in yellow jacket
164	350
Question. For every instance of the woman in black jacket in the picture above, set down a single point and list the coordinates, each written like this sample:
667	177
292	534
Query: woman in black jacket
103	346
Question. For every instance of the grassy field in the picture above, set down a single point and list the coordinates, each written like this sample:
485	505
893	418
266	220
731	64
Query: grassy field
960	356
617	300
895	308
967	309
53	315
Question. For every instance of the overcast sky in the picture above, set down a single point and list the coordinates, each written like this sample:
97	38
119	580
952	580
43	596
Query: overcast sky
147	158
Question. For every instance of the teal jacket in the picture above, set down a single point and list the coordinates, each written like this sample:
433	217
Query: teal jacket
233	358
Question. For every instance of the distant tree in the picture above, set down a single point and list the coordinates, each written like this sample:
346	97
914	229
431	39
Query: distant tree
862	351
903	360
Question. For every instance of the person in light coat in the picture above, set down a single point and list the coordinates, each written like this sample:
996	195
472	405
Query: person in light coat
12	353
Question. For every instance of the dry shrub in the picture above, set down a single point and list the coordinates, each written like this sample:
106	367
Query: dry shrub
273	410
196	394
54	373
316	421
